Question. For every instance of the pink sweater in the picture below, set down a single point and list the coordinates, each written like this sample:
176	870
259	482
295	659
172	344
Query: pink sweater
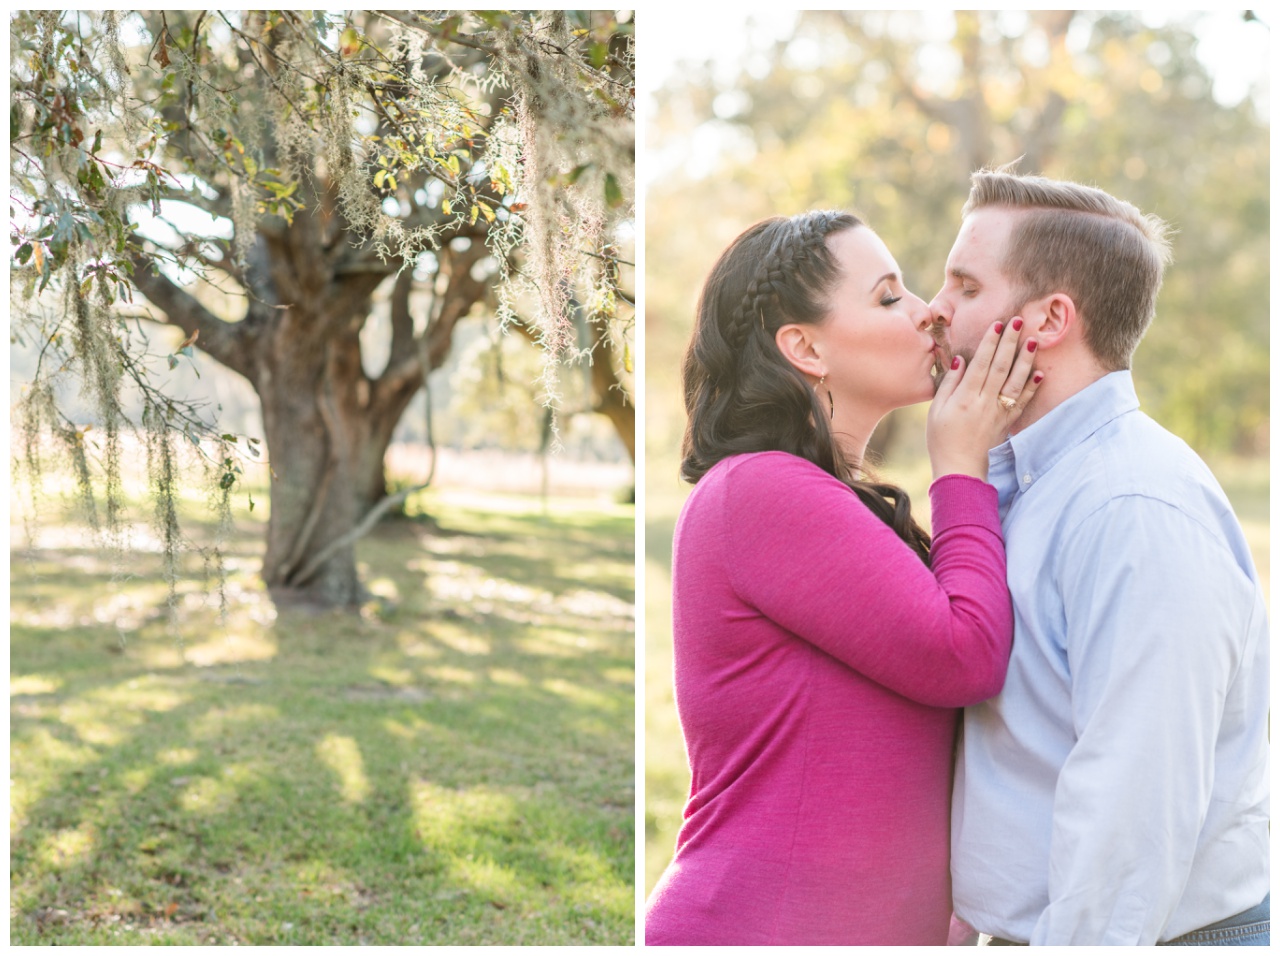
818	665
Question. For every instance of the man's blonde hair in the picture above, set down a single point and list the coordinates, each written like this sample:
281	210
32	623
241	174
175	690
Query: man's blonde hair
1102	251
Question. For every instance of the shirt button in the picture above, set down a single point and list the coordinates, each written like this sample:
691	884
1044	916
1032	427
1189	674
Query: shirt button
1026	479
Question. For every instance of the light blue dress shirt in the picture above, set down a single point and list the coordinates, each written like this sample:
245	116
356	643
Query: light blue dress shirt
1116	791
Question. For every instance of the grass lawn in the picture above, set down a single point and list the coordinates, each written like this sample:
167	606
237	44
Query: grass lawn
1247	484
452	766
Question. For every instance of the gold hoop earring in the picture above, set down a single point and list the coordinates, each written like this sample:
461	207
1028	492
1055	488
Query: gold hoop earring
831	401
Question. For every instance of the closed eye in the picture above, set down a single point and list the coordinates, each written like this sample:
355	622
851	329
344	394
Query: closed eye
962	278
890	300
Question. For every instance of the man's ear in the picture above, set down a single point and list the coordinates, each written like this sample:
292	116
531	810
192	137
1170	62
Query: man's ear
1058	319
799	346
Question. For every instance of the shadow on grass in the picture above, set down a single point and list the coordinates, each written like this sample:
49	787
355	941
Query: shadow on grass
453	767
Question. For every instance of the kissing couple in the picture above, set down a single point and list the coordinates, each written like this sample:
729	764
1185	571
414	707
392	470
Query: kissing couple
1045	721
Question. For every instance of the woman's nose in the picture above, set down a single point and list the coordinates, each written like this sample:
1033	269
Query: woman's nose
938	311
922	313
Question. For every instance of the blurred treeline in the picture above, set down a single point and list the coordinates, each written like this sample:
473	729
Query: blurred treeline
884	115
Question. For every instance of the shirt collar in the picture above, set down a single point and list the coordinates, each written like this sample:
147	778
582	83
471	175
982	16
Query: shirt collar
1022	460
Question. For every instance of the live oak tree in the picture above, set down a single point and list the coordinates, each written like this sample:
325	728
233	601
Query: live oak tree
304	163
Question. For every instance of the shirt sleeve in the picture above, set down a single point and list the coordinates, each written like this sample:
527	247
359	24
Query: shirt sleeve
1157	612
810	556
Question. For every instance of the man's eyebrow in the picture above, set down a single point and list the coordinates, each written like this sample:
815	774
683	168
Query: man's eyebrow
961	274
887	275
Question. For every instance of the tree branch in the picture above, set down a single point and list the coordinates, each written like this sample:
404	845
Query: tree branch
402	364
461	293
410	19
230	343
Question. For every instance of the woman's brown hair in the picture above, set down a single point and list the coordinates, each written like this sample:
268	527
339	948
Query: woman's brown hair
741	395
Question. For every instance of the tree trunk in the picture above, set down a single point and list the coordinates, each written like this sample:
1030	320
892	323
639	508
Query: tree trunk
314	408
611	400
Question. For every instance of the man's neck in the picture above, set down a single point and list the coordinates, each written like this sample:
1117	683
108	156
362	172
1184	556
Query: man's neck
1063	378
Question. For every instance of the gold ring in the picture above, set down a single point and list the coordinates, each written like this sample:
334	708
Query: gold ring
1007	403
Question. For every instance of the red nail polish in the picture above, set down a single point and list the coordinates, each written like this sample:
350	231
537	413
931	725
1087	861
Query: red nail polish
1031	346
1037	377
955	363
999	327
1017	325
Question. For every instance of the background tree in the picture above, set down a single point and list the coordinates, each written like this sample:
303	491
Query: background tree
303	162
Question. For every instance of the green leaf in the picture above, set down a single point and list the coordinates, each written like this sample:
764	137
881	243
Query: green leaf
23	253
173	362
612	191
349	42
577	172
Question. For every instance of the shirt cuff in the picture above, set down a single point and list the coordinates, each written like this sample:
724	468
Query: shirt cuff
964	500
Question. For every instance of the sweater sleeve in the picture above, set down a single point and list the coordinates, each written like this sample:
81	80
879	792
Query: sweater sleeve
807	554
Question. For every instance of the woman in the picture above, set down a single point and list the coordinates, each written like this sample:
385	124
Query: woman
822	641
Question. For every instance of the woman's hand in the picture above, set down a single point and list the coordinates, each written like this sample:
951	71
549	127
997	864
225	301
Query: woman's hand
974	407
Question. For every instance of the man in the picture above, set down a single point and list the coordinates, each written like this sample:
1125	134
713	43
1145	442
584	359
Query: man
1116	790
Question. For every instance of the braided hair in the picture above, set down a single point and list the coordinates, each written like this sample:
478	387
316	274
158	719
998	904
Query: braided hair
741	395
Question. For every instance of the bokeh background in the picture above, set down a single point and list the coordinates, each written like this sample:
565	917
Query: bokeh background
886	114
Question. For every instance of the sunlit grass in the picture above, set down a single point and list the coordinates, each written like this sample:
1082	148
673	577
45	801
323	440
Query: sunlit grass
453	765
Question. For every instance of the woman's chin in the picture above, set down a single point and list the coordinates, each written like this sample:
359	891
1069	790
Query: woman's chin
923	394
929	387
